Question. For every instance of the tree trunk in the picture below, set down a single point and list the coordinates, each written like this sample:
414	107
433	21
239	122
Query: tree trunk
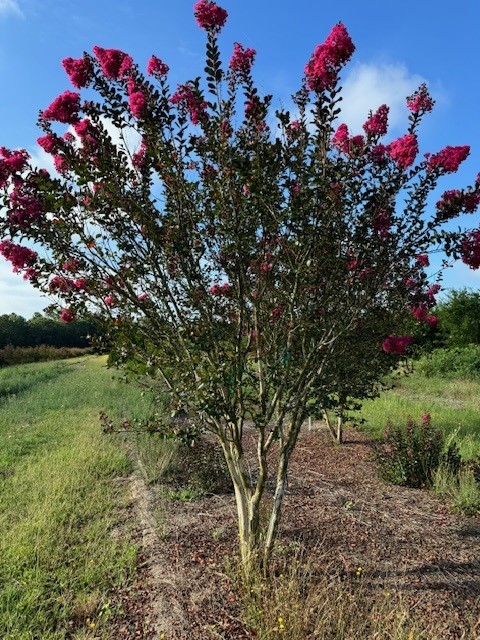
275	514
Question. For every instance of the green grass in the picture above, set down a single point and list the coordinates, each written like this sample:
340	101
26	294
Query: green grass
59	501
452	404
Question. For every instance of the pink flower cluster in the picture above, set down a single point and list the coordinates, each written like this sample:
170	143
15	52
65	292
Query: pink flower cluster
26	208
64	108
20	257
60	284
343	142
67	316
210	16
50	143
188	99
449	159
113	62
422	260
79	71
456	201
136	99
404	150
242	59
322	69
377	123
70	265
221	289
139	158
87	132
157	68
470	249
11	162
421	314
61	163
396	344
420	101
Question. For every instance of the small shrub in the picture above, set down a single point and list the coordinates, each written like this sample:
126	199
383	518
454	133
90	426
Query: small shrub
409	455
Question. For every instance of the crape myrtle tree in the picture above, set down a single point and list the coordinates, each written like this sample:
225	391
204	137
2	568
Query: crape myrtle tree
248	260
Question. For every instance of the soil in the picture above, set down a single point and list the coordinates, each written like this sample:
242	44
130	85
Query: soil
405	540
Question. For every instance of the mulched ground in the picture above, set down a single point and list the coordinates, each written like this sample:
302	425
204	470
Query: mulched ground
405	540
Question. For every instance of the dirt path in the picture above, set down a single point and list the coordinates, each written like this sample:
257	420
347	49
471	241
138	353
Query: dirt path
405	540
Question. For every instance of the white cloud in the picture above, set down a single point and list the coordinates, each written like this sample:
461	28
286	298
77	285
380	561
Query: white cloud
10	7
367	86
18	295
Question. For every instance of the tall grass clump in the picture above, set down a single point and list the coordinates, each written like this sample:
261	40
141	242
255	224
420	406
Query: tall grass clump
302	599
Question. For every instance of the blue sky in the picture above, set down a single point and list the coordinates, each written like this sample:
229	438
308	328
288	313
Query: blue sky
398	46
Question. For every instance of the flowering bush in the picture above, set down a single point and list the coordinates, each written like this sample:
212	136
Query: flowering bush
409	455
237	264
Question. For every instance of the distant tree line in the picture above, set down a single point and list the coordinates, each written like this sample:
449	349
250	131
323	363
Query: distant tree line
42	330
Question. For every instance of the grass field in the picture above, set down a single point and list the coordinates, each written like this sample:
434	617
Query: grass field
454	406
59	499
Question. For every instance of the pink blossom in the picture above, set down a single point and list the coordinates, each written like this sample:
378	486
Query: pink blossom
449	159
221	289
143	297
377	123
157	68
420	101
322	69
26	208
20	257
109	300
67	316
81	284
70	265
420	312
191	102
404	150
340	138
14	161
49	143
432	321
470	249
79	71
210	16
426	418
242	59
60	284
396	344
61	163
113	62
136	99
433	290
64	108
87	132
139	158
411	283
422	260
455	201
378	153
